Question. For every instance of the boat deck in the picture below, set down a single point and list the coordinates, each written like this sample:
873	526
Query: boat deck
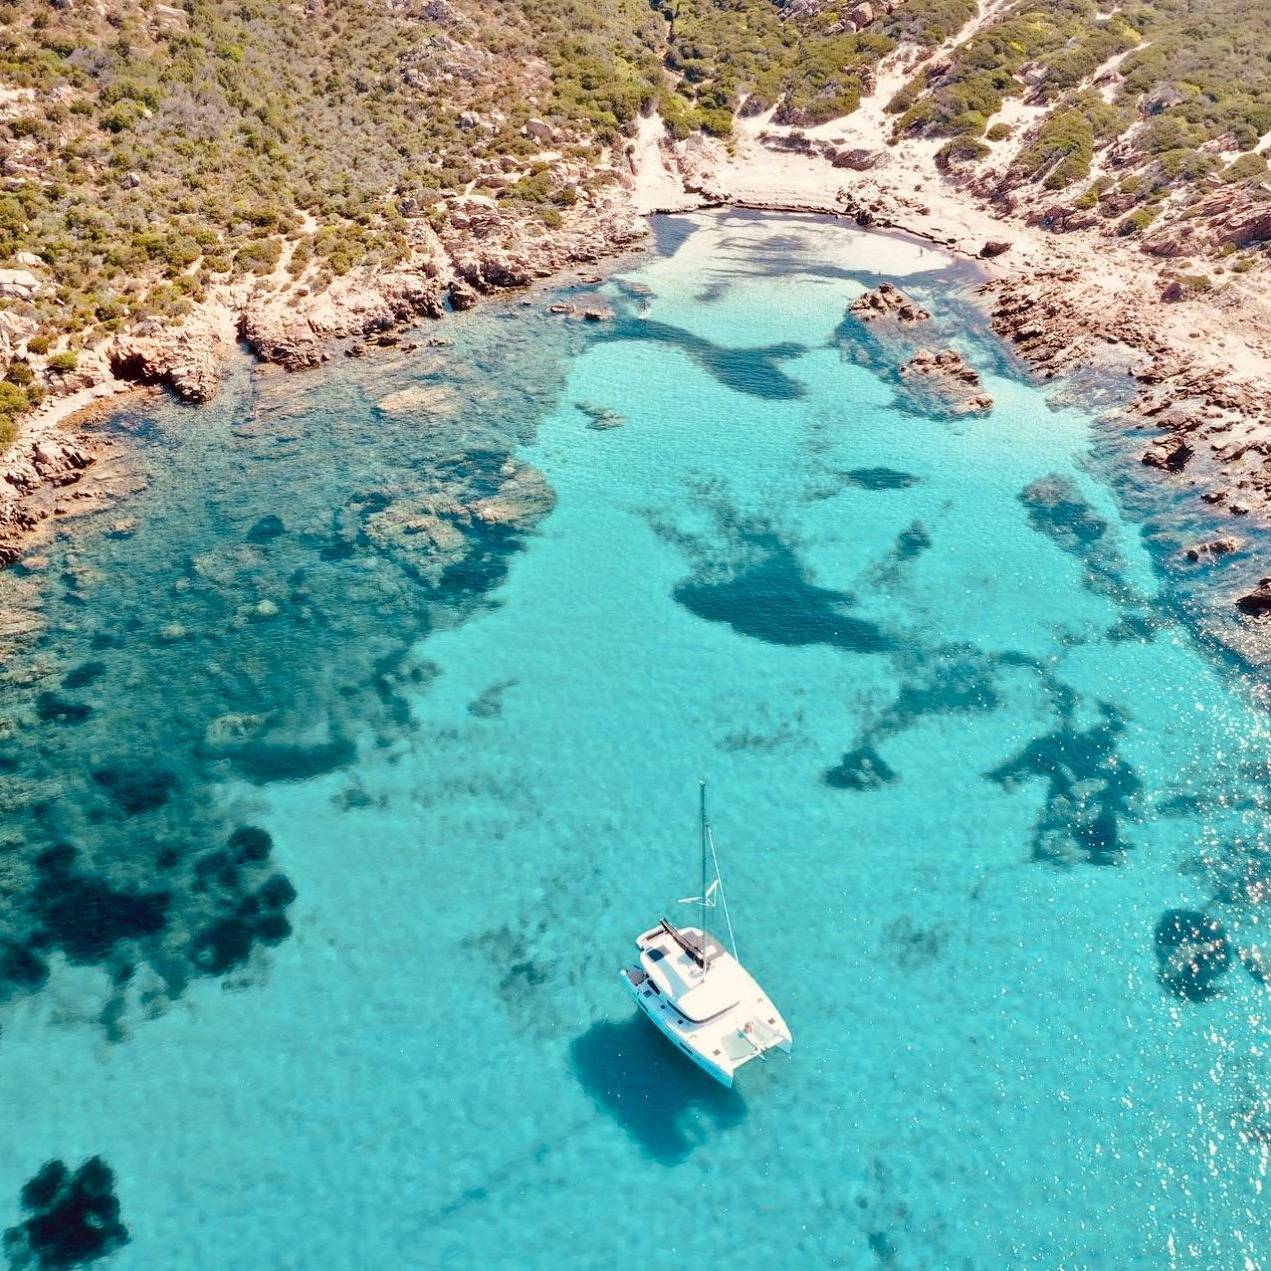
716	1014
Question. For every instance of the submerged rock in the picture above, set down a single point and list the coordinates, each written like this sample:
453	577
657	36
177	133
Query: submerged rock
1090	790
601	417
880	479
1257	961
266	529
136	789
860	769
84	917
946	380
250	843
421	399
73	1218
1192	952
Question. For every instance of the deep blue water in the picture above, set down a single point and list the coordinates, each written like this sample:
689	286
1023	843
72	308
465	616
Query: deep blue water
343	772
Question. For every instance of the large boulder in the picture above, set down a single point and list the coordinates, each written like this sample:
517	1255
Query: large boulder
888	301
858	160
540	131
1170	454
1256	603
19	284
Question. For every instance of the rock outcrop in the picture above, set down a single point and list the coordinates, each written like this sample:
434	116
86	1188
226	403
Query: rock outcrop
945	379
295	336
858	160
1170	454
188	362
38	466
888	301
1212	550
1256	603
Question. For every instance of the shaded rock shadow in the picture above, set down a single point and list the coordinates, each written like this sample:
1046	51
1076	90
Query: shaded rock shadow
74	1218
659	1098
755	372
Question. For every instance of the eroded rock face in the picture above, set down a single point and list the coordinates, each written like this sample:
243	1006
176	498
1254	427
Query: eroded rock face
1231	214
36	467
289	341
1170	454
491	248
296	336
188	362
888	301
946	378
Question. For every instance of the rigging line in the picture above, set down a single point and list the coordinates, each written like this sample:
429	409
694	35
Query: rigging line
723	895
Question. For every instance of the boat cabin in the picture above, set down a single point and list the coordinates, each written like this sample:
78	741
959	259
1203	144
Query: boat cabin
690	970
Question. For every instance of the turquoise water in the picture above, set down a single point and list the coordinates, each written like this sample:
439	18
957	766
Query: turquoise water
963	760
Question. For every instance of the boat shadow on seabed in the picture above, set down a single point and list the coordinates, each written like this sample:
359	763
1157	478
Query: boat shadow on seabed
668	1105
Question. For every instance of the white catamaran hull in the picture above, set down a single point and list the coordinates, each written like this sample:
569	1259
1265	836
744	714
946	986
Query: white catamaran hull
649	1007
697	993
746	1026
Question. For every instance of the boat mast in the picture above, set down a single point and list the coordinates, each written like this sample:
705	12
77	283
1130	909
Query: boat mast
705	832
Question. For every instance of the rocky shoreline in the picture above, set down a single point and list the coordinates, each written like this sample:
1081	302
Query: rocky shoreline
56	468
1197	396
1067	298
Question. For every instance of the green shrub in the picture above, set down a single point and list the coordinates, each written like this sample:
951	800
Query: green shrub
960	150
67	360
14	403
19	373
1137	221
1248	167
258	257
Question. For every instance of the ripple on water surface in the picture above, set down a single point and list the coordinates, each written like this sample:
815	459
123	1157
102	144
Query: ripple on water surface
337	787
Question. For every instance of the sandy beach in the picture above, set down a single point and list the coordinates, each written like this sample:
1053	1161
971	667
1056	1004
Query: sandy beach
1078	298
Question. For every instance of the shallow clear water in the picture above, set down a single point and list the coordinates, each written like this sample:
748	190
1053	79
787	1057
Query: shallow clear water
961	763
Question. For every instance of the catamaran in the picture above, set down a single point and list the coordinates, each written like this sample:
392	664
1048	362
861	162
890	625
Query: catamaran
697	992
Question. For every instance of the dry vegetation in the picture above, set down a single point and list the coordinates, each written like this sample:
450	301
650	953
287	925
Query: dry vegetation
1144	110
148	151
